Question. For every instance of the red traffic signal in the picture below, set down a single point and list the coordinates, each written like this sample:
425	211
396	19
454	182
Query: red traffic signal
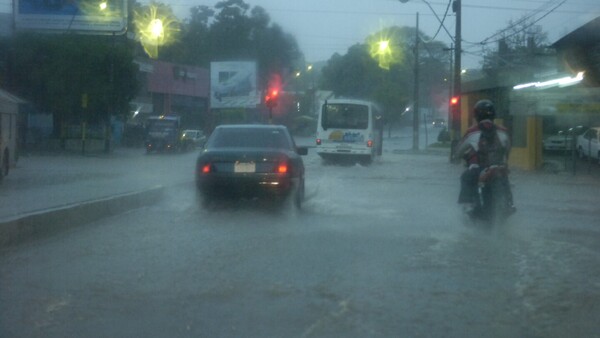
454	110
271	98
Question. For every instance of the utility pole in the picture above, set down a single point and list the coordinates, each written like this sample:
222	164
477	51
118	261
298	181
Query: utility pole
416	91
456	115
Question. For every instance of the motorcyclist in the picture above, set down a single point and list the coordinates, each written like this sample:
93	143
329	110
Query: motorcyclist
484	144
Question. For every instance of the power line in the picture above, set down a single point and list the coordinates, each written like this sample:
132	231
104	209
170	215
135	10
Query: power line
485	41
388	13
440	21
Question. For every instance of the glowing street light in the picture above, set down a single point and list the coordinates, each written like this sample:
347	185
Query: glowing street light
383	46
156	27
384	53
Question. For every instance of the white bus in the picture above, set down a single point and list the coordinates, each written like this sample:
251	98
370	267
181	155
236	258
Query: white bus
349	129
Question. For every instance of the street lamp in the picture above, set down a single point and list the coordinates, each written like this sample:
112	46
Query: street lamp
156	26
383	52
455	126
313	90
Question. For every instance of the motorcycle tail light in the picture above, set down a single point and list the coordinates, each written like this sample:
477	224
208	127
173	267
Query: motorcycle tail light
206	168
318	141
370	143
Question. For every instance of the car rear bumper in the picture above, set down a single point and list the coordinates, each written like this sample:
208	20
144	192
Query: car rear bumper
344	151
247	186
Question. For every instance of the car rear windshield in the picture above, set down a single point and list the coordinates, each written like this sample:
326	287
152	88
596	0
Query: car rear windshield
250	138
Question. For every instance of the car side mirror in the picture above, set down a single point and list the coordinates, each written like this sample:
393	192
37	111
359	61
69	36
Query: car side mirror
302	150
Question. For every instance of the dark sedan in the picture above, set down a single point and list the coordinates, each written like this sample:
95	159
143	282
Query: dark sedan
251	161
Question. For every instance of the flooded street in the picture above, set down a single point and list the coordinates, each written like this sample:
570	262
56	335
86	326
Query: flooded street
377	250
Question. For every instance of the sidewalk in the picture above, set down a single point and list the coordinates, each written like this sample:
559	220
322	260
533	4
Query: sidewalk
47	181
74	189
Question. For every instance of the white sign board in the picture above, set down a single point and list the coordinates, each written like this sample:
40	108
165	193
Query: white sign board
233	85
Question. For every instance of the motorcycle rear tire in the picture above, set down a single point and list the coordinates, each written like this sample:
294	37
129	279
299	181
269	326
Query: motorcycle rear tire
498	202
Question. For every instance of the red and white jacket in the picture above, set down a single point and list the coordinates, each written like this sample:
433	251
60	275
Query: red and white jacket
472	144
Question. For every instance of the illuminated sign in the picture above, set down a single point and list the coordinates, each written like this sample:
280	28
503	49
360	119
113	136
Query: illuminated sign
561	82
88	16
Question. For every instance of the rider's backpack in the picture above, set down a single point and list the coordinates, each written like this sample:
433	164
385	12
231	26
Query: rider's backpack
491	151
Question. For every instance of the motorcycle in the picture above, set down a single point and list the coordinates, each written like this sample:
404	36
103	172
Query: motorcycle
494	202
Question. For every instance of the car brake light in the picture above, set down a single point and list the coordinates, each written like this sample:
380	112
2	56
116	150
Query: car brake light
318	141
282	168
370	143
206	168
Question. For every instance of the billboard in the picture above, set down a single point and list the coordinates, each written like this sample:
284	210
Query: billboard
233	85
87	16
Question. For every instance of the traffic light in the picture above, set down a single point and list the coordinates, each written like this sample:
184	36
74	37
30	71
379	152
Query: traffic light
455	112
271	98
454	107
454	101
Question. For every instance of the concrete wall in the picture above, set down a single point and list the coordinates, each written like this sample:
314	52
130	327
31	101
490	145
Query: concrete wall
529	157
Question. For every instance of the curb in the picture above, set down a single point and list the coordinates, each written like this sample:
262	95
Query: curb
50	221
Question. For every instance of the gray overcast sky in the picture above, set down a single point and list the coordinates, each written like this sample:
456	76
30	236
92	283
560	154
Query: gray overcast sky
324	27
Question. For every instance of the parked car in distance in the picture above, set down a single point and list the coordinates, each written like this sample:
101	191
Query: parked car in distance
192	138
438	123
251	161
560	141
588	144
563	140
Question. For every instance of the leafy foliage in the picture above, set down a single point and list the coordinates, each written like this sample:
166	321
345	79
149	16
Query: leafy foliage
519	49
390	82
235	31
56	72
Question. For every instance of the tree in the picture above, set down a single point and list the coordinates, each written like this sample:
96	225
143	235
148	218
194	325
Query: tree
386	74
235	31
519	49
193	46
76	77
237	35
56	72
229	35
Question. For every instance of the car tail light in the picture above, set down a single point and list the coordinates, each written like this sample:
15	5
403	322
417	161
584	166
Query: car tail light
206	168
282	168
318	141
370	143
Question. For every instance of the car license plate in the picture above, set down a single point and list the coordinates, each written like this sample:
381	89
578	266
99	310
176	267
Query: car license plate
244	167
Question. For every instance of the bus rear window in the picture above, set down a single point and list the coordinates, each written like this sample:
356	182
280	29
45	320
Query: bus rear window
345	116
